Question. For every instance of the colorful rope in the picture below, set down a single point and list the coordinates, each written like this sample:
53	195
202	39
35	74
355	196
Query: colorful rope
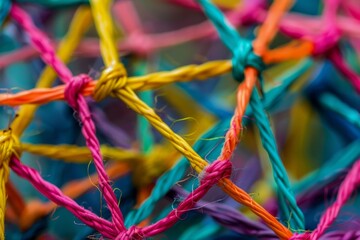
152	160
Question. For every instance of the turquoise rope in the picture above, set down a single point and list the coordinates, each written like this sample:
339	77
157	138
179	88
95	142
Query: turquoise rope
285	196
243	56
241	48
175	174
340	162
4	10
169	178
335	104
144	128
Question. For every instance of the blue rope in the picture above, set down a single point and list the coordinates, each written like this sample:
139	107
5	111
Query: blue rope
243	56
175	174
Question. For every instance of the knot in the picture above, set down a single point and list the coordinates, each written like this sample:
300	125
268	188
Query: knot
113	77
244	56
216	171
74	87
9	145
133	233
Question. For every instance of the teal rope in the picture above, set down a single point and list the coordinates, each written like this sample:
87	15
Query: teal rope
341	161
285	196
335	104
176	173
144	132
4	10
241	48
244	56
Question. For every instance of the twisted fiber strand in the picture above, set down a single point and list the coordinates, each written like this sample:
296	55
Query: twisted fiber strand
198	163
18	126
133	101
213	173
150	81
269	143
336	58
348	235
328	43
7	148
347	187
153	80
78	27
266	33
243	96
167	180
40	42
136	104
129	97
54	194
242	197
270	26
26	112
36	209
106	30
88	131
335	104
228	217
70	153
146	44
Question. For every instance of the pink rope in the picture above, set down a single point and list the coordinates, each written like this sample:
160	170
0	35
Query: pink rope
347	187
54	194
337	59
212	174
74	85
139	42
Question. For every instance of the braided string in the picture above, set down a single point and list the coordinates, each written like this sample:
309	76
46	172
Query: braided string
77	91
243	57
41	42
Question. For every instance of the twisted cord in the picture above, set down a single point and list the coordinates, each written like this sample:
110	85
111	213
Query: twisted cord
42	43
68	44
347	187
212	174
169	178
285	194
54	194
9	145
70	153
228	217
77	101
130	98
243	57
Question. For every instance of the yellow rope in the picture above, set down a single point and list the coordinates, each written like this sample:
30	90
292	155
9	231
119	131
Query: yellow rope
75	154
8	146
9	139
78	26
182	74
126	94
